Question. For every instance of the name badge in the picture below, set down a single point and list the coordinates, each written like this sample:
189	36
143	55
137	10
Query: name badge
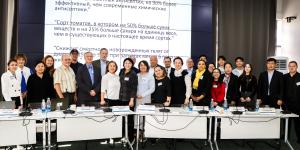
159	84
298	83
201	77
215	86
126	78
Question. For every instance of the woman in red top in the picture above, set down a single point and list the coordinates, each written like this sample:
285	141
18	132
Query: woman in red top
218	88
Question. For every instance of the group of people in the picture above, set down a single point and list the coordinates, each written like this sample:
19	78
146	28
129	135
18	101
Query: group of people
97	81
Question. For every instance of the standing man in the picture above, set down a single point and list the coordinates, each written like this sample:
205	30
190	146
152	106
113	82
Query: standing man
190	66
88	81
292	94
101	63
239	62
74	60
167	62
270	85
153	63
64	81
221	64
203	57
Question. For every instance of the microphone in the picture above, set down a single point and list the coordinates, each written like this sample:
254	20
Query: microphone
203	111
164	109
236	112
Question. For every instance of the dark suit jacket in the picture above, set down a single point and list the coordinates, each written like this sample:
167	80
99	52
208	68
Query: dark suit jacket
276	88
204	87
85	85
232	89
96	64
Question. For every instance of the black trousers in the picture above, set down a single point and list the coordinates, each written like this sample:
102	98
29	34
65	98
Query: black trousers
130	117
271	101
17	101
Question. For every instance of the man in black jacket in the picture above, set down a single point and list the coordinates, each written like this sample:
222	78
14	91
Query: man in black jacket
88	80
231	84
270	85
292	94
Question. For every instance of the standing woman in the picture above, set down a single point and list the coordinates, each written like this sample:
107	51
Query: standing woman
128	90
162	93
49	62
49	70
22	73
146	83
247	87
10	84
201	80
218	88
146	86
38	85
180	83
110	88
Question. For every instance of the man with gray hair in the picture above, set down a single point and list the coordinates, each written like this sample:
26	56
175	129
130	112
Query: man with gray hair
64	81
153	63
88	81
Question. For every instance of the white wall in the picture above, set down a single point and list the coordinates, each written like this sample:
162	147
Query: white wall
290	31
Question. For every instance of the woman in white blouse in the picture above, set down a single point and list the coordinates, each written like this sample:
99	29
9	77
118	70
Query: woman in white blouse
11	88
146	86
22	72
110	86
146	83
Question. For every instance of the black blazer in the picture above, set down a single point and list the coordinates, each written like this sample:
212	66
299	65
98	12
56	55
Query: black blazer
276	87
97	65
84	84
232	89
247	86
204	87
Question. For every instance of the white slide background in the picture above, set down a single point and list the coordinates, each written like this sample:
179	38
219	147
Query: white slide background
125	27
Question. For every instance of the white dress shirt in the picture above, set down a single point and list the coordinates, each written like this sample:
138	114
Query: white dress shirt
26	72
11	86
270	75
187	80
238	72
110	85
168	70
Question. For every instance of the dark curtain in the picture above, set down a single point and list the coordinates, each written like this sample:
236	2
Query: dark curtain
247	28
2	39
4	16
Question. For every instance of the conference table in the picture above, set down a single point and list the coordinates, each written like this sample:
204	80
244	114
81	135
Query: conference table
20	130
88	125
179	123
251	125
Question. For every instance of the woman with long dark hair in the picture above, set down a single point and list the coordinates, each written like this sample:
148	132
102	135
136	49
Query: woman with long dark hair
247	87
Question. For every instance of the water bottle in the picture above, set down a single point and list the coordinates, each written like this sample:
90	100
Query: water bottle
257	105
212	107
48	105
191	105
225	104
43	106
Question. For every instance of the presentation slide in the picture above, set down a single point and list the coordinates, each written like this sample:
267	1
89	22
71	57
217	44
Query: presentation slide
138	28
